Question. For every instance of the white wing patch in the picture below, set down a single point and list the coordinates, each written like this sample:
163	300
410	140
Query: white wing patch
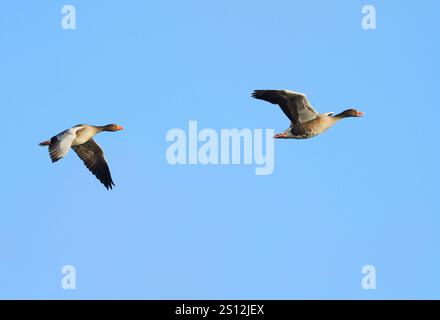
61	143
294	93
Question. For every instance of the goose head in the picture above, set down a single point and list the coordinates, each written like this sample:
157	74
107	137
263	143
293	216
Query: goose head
350	113
113	127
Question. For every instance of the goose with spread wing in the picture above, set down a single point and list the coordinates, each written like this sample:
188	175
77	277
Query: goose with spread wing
80	139
305	121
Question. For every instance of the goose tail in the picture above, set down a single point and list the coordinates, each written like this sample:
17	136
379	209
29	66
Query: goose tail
45	143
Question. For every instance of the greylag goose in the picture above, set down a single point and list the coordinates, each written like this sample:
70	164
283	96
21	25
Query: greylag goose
80	139
305	121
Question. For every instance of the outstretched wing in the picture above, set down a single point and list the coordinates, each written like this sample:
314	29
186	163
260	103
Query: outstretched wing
60	144
294	105
93	157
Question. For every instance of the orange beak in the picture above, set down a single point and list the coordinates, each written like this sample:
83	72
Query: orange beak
360	114
119	128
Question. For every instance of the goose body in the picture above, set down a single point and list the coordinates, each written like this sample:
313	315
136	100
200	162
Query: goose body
80	139
305	121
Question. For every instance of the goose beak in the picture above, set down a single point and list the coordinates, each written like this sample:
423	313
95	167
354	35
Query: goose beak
359	114
119	128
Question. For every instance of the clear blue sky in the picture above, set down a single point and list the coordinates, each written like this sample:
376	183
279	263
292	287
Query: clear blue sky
365	192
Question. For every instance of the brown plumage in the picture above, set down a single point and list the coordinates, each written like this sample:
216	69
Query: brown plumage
305	121
79	138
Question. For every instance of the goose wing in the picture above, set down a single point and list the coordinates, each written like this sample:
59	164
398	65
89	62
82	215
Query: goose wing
294	104
61	143
93	157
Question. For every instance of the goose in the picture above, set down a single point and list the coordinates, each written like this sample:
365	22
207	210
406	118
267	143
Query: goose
80	139
305	121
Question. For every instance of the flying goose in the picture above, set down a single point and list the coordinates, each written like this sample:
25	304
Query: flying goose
305	121
79	138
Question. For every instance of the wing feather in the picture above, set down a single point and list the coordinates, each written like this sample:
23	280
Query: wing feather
60	144
294	104
93	157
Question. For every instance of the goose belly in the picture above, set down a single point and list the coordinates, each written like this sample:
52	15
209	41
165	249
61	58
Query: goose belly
82	136
80	140
312	128
304	132
304	135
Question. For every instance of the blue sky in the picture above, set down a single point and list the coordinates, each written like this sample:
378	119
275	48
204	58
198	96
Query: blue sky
365	192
